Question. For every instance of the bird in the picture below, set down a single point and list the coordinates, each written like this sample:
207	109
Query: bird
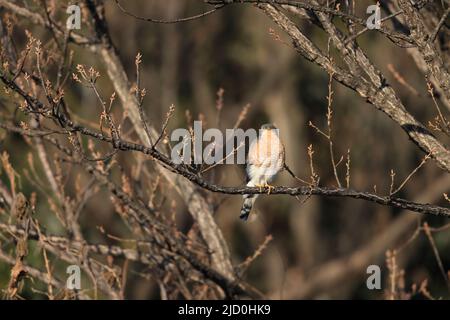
265	158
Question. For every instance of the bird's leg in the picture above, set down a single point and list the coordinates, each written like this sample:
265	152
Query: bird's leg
260	186
270	187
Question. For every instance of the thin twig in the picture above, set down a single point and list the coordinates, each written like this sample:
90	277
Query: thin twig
194	17
436	254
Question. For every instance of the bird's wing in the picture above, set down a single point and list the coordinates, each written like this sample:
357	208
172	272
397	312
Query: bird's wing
251	160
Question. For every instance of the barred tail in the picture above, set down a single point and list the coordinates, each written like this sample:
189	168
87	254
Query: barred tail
249	199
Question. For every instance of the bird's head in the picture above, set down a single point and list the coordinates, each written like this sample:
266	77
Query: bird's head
268	126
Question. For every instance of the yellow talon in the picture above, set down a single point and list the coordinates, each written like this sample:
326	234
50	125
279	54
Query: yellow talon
269	187
260	186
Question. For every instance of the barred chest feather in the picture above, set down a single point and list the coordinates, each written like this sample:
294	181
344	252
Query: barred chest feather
265	157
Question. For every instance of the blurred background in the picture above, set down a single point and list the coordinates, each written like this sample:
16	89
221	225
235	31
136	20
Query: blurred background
321	247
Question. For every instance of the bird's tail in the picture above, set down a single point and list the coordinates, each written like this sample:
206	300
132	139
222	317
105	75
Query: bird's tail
249	200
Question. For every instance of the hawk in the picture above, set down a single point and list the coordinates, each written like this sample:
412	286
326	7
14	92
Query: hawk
264	160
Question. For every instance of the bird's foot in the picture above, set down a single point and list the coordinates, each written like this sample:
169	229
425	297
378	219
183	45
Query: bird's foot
269	187
260	187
